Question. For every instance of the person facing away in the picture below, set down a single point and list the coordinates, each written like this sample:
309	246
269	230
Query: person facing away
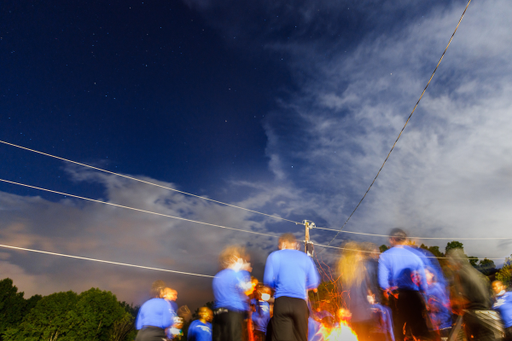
229	289
291	273
470	296
154	315
201	329
402	277
503	305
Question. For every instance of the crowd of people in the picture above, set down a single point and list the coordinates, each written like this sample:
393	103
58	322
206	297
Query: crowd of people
400	294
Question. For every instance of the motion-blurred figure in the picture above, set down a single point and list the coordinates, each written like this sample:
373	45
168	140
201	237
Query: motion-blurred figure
402	277
354	279
231	302
154	315
471	297
201	329
438	304
260	312
290	273
503	304
171	295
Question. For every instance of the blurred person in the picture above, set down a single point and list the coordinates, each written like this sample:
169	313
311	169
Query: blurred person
470	297
354	280
371	263
438	305
503	305
260	312
231	302
171	295
201	329
154	315
402	277
291	273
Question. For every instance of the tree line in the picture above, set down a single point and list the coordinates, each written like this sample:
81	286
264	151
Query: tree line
92	315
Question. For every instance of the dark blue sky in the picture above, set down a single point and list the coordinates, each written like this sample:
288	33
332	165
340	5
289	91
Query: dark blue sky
282	107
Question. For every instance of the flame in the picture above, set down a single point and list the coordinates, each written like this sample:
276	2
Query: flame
341	332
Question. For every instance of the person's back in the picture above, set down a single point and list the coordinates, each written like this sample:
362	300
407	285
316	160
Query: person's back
397	269
290	273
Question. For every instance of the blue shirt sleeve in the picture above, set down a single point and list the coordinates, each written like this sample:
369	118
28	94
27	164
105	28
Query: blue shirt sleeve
269	276
313	280
383	272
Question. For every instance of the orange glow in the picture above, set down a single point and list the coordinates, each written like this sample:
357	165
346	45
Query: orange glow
342	332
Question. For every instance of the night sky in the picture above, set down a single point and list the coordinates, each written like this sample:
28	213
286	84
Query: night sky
286	108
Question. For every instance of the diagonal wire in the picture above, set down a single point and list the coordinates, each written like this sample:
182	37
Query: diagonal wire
145	182
134	209
405	125
102	261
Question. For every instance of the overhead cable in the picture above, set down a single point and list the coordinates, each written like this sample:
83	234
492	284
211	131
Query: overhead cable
146	182
134	209
406	122
430	238
364	251
103	261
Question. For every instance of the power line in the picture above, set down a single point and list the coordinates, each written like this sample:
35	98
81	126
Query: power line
363	251
145	182
134	209
103	261
430	238
406	122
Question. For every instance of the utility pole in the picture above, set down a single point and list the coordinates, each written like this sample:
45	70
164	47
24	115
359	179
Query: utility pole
309	248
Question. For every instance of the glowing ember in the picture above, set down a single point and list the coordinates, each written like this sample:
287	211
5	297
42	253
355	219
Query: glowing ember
341	332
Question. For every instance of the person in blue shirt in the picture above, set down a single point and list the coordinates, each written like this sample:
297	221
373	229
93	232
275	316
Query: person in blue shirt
291	273
503	305
154	315
230	287
402	277
260	312
201	329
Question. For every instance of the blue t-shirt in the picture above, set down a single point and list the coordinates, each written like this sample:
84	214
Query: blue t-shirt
503	305
398	266
290	273
261	316
437	298
313	330
156	312
229	289
199	331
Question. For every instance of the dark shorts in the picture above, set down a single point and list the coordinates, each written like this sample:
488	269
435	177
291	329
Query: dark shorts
290	320
151	334
227	325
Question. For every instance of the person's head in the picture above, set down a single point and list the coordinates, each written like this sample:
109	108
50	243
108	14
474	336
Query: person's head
157	288
397	236
287	241
498	286
205	314
232	257
170	294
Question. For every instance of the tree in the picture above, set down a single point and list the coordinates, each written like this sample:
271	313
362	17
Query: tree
51	318
12	305
383	248
453	245
505	273
486	266
92	315
433	250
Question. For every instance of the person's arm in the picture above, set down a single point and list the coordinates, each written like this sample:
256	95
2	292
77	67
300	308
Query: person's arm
383	274
313	279
167	316
269	276
138	322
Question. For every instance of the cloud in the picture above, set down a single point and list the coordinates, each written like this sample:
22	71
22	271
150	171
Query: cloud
115	234
449	174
